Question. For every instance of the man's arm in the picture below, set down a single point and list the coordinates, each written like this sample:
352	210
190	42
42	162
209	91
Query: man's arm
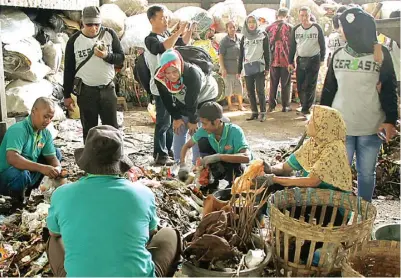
241	55
117	57
69	67
193	91
322	43
52	161
266	51
188	145
18	161
330	85
242	157
187	35
388	93
293	47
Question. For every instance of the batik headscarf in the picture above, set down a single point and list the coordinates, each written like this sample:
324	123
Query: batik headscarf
254	34
325	155
171	58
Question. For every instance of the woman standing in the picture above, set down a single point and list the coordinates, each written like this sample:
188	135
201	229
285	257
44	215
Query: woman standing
361	84
228	57
255	60
183	88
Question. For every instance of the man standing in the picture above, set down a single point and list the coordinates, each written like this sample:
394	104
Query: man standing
90	57
27	153
156	43
279	34
308	43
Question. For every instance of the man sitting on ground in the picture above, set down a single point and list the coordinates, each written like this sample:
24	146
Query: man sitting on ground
27	153
223	146
101	224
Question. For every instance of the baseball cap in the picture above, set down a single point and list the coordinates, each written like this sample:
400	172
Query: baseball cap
91	15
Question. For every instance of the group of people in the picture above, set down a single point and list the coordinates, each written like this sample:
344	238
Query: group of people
105	225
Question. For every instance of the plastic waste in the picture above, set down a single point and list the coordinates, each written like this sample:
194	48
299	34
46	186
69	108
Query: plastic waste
254	258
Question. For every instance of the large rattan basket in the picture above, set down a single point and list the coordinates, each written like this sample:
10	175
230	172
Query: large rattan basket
312	230
377	258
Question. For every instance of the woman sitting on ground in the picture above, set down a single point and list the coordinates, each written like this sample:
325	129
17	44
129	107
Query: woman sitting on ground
322	159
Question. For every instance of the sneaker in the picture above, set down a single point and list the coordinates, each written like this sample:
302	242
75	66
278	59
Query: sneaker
286	109
164	161
171	154
262	117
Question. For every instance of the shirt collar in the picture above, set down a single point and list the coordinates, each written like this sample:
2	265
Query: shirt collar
28	121
225	132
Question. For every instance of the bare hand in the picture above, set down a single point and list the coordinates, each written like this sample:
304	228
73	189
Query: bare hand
291	68
177	124
193	27
389	130
69	103
99	53
192	128
183	27
224	73
50	171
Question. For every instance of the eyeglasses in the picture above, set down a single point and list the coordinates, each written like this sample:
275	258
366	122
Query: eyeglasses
92	24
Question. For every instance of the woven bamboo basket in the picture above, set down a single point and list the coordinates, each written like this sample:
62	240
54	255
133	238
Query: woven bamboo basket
312	229
377	258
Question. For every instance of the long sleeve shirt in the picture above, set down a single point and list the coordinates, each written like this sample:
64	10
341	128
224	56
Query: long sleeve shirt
307	42
96	71
351	88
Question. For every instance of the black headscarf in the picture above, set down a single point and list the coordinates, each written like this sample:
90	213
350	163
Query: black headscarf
359	29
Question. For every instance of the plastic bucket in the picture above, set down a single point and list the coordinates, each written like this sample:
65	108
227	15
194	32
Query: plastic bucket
387	232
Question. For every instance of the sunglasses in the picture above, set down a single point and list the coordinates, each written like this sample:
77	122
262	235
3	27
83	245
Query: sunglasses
92	24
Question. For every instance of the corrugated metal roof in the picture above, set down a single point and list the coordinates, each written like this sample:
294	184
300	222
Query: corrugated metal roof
51	4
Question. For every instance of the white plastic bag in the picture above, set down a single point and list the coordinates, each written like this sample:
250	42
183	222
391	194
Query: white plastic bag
137	28
129	7
229	10
15	25
19	56
266	16
36	72
113	17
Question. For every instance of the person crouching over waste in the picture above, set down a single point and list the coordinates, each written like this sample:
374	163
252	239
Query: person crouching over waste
322	159
27	153
222	146
102	224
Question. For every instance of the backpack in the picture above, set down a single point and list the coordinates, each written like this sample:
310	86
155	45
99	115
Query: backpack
197	56
142	73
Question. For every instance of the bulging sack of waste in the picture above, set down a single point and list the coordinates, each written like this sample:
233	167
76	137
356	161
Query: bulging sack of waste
15	25
137	28
129	7
266	16
229	10
195	14
113	17
19	56
316	10
53	55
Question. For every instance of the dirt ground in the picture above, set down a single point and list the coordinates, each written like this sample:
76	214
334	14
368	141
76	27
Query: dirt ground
279	131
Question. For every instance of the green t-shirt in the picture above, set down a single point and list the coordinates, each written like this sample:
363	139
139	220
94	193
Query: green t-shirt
232	140
104	222
21	138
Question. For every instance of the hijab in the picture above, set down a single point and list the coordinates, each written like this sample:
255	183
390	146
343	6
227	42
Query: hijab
325	155
254	34
359	29
171	58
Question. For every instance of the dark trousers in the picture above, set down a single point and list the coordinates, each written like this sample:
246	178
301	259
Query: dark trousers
163	138
306	81
220	170
280	74
94	102
258	81
165	247
15	182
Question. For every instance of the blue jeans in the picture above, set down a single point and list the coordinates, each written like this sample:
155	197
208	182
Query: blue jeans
16	180
163	137
366	149
180	140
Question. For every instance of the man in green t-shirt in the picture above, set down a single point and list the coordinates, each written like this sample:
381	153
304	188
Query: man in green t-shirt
223	146
102	224
27	152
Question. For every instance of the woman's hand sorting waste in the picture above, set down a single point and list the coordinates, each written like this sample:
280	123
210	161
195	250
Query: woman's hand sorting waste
265	180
